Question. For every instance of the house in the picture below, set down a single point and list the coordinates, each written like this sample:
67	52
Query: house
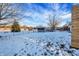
7	28
39	29
26	28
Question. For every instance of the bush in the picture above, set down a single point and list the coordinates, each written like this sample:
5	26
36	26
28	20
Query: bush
15	27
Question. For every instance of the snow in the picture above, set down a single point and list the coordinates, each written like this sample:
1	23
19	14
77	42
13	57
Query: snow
36	44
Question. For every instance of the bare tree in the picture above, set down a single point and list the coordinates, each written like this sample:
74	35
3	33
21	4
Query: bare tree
54	19
9	11
53	23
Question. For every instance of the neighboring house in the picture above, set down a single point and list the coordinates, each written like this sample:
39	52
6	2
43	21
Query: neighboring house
26	28
39	29
7	28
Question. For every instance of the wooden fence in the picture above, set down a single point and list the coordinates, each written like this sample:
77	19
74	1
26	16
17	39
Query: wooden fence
75	27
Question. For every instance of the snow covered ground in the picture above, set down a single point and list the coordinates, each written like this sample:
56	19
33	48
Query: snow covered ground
36	44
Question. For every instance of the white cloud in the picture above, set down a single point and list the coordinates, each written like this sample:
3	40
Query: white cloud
66	16
40	15
6	21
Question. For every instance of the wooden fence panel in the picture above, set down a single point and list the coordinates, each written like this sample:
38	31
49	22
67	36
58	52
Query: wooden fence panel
75	27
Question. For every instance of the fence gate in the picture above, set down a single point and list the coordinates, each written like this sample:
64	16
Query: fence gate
75	27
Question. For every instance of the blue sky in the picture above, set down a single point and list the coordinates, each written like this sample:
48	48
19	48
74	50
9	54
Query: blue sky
37	14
